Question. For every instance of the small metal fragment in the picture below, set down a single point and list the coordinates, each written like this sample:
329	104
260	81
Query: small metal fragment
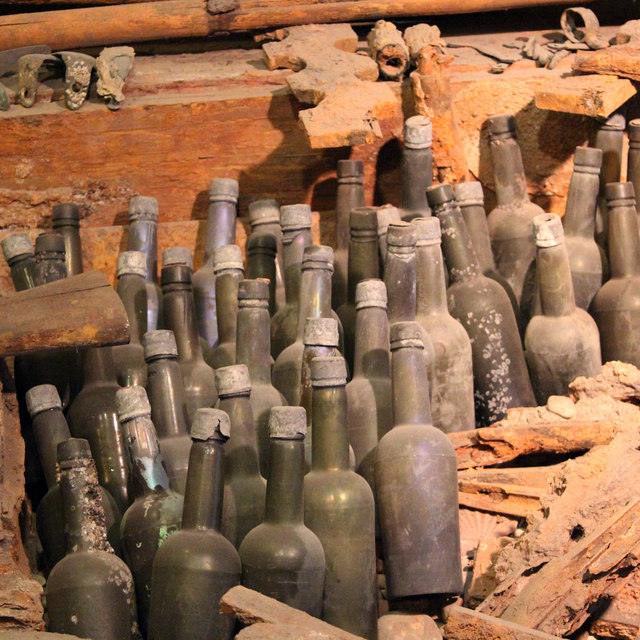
78	69
29	67
113	66
587	32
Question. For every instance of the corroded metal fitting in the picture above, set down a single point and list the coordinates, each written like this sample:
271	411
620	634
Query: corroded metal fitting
229	256
295	216
132	402
405	334
328	371
547	230
288	423
469	194
77	77
417	132
233	380
210	424
427	231
177	255
317	256
371	293
16	245
132	263
143	208
224	189
41	398
321	331
265	211
159	343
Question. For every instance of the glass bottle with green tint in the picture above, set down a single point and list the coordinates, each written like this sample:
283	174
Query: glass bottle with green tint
20	256
66	221
417	167
50	258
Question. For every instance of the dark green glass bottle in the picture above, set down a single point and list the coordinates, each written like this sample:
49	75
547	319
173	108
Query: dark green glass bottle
20	256
50	258
66	221
417	167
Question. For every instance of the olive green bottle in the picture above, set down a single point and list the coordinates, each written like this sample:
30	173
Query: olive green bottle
50	258
261	264
168	404
281	557
243	482
196	566
129	358
156	511
339	508
386	215
633	155
417	167
416	483
66	221
90	592
20	256
253	350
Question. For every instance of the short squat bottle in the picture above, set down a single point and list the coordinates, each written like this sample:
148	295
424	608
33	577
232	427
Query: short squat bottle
417	167
168	404
417	463
130	365
90	592
281	557
196	566
50	258
20	256
66	221
633	157
156	511
221	230
339	508
562	343
616	306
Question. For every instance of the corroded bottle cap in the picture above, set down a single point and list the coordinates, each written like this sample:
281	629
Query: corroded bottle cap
405	334
233	380
501	124
328	371
132	263
371	293
17	244
589	156
615	122
317	256
288	423
387	215
224	189
228	256
619	191
50	243
210	424
633	129
65	213
72	450
265	211
295	216
143	208
132	402
363	219
440	194
159	343
177	255
257	289
350	170
417	132
401	234
547	230
427	231
174	274
321	331
469	193
41	398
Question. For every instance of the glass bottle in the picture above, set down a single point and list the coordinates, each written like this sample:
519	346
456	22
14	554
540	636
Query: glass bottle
281	557
177	255
633	156
196	566
168	404
616	306
417	167
243	482
90	592
228	269
386	215
349	196
369	391
295	220
252	350
416	482
180	317
221	230
50	429
261	264
586	259
50	258
92	416
482	307
363	264
562	342
143	236
66	221
129	358
452	403
339	508
20	256
156	511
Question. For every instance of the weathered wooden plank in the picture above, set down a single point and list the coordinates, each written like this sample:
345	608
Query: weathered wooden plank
620	60
521	476
508	499
620	619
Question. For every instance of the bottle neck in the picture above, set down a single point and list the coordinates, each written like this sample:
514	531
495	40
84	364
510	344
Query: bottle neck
417	176
227	303
49	268
350	195
431	290
371	354
99	366
242	448
23	273
205	486
293	246
458	251
554	281
400	279
508	171
133	293
409	385
330	446
72	246
50	428
253	343
221	227
582	201
166	395
271	228
180	317
475	220
363	260
143	236
315	297
284	502
611	142
624	244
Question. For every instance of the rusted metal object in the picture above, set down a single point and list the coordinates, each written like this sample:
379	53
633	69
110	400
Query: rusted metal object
77	77
29	68
113	66
586	32
387	47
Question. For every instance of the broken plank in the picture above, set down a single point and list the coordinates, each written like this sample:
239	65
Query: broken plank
522	476
267	631
620	619
508	499
619	60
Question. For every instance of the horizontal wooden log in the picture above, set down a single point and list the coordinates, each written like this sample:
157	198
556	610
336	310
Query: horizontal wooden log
80	311
521	476
507	499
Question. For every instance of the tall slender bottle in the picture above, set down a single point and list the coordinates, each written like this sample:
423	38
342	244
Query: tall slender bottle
66	221
252	350
386	215
50	429
452	404
90	592
363	264
221	230
281	557
20	256
156	512
339	508
350	195
510	221
586	258
143	236
616	306
50	258
315	302
228	269
633	156
417	167
482	307
562	343
417	463
243	481
180	317
196	566
129	358
369	391
295	220
168	404
261	264
92	415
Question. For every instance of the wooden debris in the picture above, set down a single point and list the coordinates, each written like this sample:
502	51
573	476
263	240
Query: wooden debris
267	631
620	619
406	626
483	577
496	497
620	60
522	476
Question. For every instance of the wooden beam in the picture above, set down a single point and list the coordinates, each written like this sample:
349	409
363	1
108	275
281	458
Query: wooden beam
620	60
507	499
